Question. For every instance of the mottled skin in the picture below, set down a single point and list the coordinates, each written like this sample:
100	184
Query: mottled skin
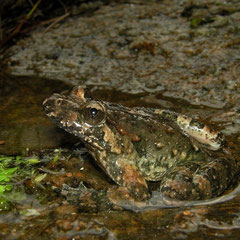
137	145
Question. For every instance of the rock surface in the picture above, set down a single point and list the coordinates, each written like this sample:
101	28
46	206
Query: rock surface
182	49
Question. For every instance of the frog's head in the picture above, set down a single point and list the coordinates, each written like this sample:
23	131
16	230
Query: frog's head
78	114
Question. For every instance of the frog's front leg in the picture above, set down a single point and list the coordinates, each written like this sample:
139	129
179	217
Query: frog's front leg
198	180
125	173
193	128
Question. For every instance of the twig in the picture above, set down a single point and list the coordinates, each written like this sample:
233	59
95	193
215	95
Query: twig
56	21
18	28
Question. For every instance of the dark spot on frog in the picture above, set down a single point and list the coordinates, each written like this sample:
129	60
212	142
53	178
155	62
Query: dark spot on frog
197	124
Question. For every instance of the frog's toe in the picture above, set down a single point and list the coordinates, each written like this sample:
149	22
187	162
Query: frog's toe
121	196
139	192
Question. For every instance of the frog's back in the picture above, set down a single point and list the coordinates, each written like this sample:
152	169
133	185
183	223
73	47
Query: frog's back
160	144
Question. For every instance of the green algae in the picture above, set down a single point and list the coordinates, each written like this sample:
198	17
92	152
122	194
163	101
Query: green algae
12	171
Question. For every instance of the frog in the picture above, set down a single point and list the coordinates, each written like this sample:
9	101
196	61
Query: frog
137	146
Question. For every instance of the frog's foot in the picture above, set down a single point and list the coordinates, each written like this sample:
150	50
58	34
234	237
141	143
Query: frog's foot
136	191
198	181
121	196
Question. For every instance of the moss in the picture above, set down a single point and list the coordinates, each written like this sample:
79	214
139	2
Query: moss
12	170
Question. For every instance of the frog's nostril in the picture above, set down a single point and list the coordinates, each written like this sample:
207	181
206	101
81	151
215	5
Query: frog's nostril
58	102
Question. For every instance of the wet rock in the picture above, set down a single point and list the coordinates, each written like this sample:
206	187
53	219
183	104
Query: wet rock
137	46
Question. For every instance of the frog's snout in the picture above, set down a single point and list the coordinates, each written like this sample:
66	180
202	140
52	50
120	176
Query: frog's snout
50	104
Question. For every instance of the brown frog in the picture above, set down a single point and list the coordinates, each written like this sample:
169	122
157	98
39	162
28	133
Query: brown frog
135	146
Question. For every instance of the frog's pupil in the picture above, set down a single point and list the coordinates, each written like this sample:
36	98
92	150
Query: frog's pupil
93	112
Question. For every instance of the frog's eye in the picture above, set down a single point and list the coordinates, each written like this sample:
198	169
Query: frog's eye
93	113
